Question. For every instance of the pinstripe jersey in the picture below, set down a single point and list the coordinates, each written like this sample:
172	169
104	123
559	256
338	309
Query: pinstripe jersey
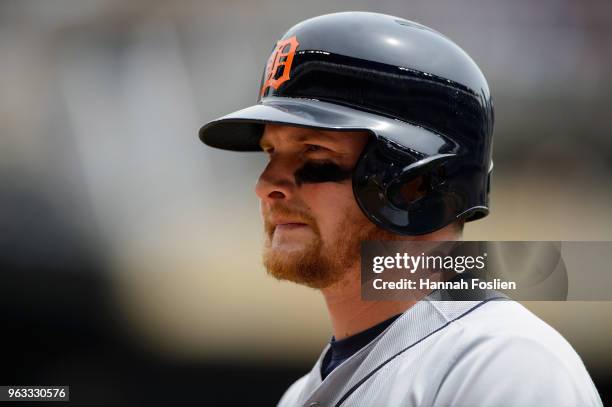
455	353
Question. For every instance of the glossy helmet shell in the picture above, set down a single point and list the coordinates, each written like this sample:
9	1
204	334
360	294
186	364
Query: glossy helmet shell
423	99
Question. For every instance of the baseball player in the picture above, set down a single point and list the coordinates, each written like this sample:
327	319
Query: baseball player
378	128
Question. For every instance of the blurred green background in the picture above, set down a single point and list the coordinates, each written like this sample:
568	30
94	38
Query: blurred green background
130	252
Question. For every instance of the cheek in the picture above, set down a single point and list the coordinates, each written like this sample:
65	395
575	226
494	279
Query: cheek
331	204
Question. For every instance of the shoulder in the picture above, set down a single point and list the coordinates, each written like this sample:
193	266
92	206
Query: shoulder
292	394
510	324
497	319
505	354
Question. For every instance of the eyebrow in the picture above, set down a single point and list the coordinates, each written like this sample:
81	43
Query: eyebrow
316	136
301	137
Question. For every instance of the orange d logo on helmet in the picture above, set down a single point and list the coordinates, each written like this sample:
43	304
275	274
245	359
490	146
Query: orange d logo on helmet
279	63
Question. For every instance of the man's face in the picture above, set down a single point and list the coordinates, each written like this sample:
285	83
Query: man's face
312	222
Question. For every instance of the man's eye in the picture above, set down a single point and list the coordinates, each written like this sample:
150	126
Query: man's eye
313	147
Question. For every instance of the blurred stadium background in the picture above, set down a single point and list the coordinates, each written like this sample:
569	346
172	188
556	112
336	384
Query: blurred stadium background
129	252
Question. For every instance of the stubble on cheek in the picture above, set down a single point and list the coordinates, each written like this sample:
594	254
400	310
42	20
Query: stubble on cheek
304	265
317	265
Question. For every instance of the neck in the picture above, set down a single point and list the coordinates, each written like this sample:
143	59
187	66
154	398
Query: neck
350	314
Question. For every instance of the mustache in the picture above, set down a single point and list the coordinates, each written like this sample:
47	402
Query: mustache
280	210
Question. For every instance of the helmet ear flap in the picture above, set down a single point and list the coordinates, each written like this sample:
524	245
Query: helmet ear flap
400	190
409	191
417	180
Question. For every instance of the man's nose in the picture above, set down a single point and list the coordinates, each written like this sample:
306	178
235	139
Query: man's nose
277	181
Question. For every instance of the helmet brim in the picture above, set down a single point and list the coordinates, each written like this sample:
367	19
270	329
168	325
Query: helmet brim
242	130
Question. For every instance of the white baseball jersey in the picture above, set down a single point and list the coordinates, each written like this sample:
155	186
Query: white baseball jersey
455	353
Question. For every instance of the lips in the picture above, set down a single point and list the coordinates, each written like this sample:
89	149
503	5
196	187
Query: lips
289	226
280	218
285	224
